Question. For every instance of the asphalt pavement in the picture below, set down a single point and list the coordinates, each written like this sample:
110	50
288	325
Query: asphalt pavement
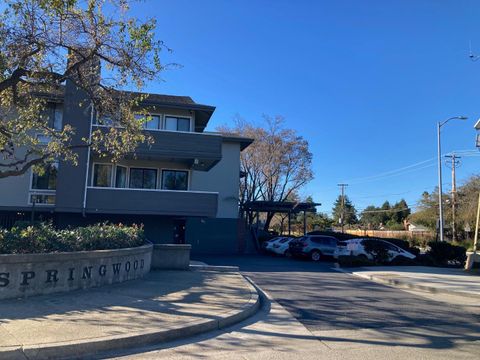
324	299
316	312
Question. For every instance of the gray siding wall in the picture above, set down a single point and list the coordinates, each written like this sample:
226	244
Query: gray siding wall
14	190
71	178
129	201
224	178
182	145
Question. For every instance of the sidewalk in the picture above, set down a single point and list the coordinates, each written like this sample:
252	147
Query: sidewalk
431	279
164	306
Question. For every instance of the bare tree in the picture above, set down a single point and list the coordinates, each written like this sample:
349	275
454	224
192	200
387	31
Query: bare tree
277	164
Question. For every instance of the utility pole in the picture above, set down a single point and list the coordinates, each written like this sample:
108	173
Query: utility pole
454	164
342	216
439	157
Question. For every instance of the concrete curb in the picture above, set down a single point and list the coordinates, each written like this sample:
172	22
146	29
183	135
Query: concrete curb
195	267
81	349
412	286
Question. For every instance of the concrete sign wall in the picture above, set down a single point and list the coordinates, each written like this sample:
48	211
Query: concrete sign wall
32	274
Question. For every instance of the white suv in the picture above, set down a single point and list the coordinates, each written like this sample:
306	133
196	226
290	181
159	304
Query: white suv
355	247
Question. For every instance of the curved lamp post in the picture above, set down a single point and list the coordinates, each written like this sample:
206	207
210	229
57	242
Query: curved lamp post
440	207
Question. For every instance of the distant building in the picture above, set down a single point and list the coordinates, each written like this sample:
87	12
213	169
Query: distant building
416	228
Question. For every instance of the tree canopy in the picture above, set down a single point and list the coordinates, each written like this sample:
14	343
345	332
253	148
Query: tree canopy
388	216
349	211
276	165
467	201
43	44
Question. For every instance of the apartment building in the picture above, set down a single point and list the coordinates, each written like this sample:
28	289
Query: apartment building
184	187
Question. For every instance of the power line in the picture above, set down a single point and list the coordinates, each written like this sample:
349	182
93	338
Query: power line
384	210
391	172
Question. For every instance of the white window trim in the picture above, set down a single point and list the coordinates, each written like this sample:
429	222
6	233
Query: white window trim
30	188
161	124
178	116
112	175
189	173
40	192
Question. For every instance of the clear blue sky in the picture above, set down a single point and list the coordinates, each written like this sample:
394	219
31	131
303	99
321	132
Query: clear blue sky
363	81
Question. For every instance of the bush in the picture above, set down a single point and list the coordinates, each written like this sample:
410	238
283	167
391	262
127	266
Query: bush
26	238
445	254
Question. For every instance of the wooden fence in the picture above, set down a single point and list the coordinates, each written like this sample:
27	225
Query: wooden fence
393	234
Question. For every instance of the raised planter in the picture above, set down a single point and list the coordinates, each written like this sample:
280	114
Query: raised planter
171	256
473	261
24	275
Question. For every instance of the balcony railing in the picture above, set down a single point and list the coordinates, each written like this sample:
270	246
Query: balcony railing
201	151
151	202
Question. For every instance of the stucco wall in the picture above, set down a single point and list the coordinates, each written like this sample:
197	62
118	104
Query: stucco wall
223	178
14	190
33	274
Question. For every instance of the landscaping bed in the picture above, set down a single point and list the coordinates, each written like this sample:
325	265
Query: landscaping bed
39	259
28	238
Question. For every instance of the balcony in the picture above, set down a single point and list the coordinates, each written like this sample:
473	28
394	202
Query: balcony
199	150
151	202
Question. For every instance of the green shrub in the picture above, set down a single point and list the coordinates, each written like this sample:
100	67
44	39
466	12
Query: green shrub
445	254
467	244
24	238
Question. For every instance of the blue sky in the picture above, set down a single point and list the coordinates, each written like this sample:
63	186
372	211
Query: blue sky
363	81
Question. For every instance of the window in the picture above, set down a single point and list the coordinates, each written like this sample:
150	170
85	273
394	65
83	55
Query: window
177	123
150	122
58	117
44	199
121	177
103	121
143	178
47	180
102	175
174	180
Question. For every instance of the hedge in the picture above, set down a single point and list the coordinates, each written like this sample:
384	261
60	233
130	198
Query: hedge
25	238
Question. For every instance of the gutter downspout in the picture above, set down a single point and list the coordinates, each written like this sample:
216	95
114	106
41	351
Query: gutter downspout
88	162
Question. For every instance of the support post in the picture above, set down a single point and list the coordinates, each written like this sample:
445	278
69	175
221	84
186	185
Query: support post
304	222
475	241
289	223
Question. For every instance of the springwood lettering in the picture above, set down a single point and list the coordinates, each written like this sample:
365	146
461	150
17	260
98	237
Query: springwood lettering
53	275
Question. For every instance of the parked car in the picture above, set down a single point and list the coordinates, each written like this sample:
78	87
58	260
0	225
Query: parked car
268	245
313	246
356	247
282	246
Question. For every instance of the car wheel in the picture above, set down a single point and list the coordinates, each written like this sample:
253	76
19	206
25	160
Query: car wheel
315	255
287	253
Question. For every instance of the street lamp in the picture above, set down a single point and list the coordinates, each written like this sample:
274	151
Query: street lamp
477	127
440	207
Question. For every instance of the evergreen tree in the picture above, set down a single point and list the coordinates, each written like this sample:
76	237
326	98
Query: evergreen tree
350	213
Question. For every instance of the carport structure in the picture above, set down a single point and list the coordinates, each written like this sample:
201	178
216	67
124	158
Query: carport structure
283	207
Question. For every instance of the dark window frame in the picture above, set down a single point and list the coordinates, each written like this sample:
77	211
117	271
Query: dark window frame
143	178
175	171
